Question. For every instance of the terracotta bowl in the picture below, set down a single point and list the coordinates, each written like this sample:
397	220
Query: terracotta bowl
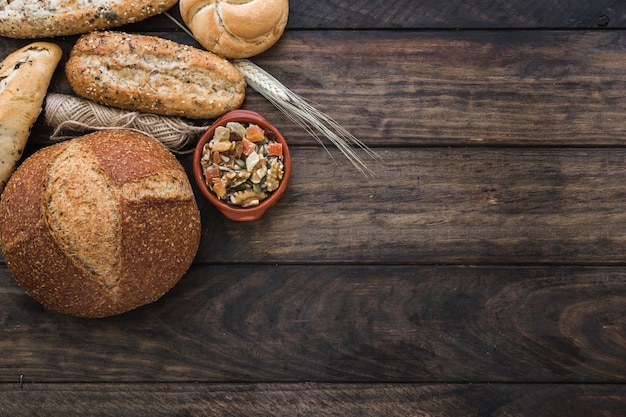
231	211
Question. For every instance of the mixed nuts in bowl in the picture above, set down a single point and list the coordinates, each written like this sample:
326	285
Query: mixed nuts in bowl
242	165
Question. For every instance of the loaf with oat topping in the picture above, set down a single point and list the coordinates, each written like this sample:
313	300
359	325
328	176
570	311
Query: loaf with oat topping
153	75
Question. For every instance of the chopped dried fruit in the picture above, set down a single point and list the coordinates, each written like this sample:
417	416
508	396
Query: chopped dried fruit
254	133
210	173
275	149
242	165
248	147
219	187
221	133
236	128
222	146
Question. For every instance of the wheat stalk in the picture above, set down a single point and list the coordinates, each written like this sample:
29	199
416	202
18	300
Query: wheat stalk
301	112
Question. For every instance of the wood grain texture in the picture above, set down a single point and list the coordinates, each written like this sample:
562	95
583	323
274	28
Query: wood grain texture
445	88
480	273
455	14
462	88
332	323
432	14
439	206
312	399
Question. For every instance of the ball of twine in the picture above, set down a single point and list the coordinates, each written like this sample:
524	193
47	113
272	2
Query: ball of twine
71	116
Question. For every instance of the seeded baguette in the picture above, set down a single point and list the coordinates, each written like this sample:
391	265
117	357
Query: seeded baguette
153	75
25	76
39	19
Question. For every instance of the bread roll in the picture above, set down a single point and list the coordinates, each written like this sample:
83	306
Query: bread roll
236	29
24	80
153	75
99	225
39	19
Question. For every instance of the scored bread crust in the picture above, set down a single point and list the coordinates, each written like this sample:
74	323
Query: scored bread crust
153	75
39	19
236	28
99	225
25	76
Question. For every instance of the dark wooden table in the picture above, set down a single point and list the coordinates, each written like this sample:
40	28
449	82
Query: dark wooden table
482	272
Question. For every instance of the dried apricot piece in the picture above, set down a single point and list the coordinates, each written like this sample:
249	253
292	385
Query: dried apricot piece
254	133
219	187
275	149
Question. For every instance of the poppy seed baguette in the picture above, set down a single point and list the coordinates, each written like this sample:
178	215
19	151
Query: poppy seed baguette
153	75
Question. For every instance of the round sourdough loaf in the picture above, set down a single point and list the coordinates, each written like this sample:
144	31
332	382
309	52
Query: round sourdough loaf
236	29
99	225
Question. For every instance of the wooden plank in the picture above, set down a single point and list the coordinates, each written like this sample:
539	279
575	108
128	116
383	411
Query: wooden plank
431	14
340	324
445	88
431	205
438	206
307	399
455	14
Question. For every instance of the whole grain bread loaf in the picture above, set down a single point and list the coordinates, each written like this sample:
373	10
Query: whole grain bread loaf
236	29
40	19
25	76
99	225
153	75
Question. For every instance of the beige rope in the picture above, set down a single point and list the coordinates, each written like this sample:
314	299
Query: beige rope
72	116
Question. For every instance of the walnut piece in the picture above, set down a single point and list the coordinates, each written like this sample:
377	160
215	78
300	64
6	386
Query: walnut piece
274	175
247	198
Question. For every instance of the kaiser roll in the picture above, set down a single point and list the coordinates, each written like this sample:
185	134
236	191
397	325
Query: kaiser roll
99	225
236	28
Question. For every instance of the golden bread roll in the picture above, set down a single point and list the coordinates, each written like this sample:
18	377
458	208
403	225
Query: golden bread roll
153	75
99	225
25	76
39	19
236	28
